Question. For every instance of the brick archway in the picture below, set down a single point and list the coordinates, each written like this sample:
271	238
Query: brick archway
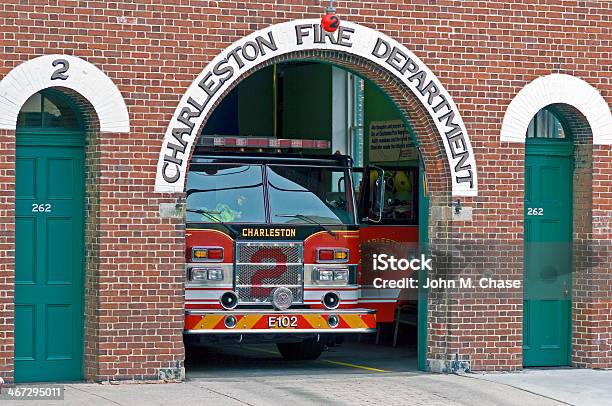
443	139
422	100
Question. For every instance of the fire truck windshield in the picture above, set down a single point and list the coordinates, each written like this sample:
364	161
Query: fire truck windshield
225	194
307	194
234	193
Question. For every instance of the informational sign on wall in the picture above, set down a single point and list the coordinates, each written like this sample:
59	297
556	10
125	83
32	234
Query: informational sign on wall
390	142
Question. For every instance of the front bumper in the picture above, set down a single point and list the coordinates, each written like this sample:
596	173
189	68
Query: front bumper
279	322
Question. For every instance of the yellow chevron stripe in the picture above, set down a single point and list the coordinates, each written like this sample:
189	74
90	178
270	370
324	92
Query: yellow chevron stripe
315	320
353	320
248	321
208	322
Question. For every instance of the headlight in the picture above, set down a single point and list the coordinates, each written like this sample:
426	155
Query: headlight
215	274
206	274
198	274
340	275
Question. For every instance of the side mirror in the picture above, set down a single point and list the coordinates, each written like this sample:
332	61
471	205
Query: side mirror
378	195
341	184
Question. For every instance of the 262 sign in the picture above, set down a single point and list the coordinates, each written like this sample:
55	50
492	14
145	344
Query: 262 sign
41	208
535	211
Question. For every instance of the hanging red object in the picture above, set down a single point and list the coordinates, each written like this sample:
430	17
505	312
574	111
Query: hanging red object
330	21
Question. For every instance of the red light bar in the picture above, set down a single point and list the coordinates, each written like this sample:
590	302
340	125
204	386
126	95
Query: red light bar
261	142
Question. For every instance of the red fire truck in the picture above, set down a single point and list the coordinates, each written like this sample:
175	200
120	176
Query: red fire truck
273	245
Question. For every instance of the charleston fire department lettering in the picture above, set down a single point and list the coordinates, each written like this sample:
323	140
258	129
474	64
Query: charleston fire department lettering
246	54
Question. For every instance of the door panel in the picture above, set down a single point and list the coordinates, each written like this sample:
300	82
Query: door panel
60	182
26	187
26	271
548	258
49	263
25	331
59	341
60	271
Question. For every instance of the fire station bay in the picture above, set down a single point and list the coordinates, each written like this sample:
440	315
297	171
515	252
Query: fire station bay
180	175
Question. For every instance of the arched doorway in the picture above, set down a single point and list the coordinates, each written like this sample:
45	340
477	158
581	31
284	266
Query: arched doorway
310	100
49	248
443	141
549	166
585	116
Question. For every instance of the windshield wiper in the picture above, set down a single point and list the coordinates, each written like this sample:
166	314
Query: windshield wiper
191	191
209	215
308	220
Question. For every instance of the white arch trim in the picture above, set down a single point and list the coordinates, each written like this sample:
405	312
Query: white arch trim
306	35
81	76
557	88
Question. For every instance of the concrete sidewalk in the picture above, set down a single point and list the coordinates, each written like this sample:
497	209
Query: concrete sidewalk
572	386
414	389
532	387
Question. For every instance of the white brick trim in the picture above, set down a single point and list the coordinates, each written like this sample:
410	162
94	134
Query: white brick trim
557	88
83	77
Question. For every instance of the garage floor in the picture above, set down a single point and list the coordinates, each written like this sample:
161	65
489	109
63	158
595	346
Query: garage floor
264	360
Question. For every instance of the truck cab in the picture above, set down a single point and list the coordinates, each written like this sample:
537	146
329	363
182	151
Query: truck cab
272	251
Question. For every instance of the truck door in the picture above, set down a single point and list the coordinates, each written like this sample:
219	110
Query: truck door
395	233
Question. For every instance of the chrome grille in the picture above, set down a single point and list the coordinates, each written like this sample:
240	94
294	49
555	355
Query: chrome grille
258	295
263	266
269	274
258	252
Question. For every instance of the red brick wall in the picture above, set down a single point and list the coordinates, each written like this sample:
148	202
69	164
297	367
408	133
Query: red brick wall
7	252
598	334
483	52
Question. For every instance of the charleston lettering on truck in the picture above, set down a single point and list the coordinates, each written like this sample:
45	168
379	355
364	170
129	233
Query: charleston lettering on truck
268	232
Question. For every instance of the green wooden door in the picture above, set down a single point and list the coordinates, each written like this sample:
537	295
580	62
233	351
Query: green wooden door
49	260
548	253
